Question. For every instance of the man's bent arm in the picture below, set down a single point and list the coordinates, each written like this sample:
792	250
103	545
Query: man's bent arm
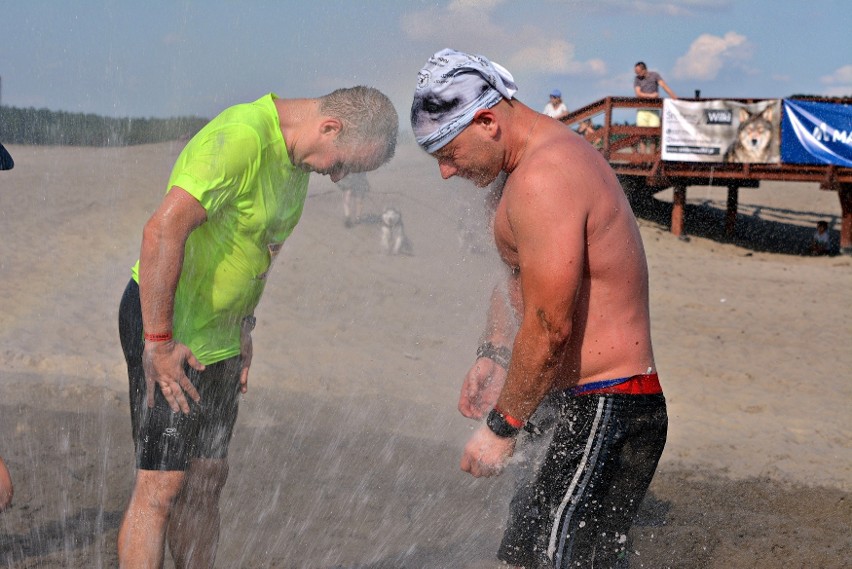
484	380
160	265
501	324
667	89
161	259
548	225
642	95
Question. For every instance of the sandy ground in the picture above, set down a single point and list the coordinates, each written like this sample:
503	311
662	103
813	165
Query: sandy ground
347	446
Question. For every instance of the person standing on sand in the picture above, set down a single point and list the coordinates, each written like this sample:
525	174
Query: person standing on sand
578	283
235	194
354	187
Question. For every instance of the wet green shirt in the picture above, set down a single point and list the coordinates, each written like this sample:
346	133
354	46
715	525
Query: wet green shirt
238	168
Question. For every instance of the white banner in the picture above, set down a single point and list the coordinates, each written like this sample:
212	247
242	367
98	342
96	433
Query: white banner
721	131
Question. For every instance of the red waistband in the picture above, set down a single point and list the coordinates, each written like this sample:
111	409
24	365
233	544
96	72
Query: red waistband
643	384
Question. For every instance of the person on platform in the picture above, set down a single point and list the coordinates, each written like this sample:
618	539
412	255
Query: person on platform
555	108
646	85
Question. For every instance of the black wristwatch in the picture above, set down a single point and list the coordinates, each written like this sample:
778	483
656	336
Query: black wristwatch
500	426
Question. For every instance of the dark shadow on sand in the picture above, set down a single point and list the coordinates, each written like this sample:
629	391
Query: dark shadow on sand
461	554
73	533
695	519
759	228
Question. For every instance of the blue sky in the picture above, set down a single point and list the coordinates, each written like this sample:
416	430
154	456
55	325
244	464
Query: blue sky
194	57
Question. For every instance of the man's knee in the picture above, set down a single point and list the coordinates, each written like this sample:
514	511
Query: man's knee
205	478
157	490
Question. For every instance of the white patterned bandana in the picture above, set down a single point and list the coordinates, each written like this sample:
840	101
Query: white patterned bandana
451	88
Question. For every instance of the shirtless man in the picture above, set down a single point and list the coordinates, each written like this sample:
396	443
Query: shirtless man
578	284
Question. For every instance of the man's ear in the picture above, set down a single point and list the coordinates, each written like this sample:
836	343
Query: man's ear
486	119
331	126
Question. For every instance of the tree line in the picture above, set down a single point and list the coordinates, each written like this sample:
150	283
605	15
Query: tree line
46	127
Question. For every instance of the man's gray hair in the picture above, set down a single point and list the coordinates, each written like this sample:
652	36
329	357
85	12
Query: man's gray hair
368	116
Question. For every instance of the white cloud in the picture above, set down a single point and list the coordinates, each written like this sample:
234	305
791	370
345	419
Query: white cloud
839	83
619	83
667	7
553	56
708	54
463	24
468	19
173	39
841	76
474	4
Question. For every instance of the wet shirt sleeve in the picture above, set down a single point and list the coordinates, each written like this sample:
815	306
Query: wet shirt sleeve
215	166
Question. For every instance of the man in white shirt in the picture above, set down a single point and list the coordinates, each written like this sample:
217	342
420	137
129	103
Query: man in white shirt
555	108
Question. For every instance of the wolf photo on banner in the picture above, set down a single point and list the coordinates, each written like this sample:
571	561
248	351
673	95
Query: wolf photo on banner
722	131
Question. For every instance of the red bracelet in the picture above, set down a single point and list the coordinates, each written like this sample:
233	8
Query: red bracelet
164	337
517	423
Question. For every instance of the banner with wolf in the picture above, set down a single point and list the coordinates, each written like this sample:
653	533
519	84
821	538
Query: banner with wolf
722	131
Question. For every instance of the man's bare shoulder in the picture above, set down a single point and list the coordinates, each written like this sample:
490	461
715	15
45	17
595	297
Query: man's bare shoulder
559	162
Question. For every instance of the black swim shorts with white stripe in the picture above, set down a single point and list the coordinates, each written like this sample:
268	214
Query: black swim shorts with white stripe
578	507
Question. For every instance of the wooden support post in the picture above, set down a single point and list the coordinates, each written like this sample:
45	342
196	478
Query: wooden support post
678	206
731	214
606	128
845	194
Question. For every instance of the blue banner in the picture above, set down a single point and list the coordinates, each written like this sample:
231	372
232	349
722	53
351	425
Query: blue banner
816	133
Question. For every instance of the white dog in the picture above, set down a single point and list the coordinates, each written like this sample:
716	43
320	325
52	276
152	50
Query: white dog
394	241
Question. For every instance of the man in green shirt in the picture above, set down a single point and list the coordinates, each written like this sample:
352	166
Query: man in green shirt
235	194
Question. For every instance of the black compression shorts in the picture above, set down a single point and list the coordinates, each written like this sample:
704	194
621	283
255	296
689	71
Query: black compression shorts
165	440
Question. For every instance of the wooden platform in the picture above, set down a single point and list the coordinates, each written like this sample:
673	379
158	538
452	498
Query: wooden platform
648	173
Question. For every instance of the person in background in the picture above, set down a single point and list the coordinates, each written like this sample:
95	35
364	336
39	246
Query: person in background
646	85
821	240
555	108
354	186
590	133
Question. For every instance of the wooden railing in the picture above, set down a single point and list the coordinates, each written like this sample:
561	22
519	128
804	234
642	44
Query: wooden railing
647	172
619	143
